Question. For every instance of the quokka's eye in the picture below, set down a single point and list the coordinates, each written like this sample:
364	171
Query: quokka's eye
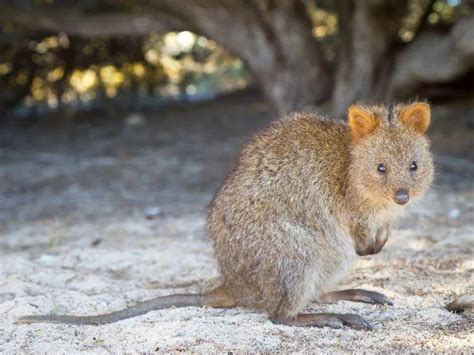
413	166
381	168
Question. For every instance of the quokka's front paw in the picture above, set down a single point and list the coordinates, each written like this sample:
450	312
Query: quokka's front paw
373	244
381	238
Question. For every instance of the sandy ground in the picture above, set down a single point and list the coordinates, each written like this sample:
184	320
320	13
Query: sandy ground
74	238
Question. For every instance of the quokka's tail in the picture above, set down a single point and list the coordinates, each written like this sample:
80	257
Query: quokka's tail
215	298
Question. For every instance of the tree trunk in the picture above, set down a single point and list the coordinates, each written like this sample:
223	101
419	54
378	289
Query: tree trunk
434	58
298	75
369	32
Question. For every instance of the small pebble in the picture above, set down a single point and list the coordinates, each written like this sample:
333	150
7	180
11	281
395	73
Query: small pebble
135	120
153	212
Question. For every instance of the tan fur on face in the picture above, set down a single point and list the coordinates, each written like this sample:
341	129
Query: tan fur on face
397	142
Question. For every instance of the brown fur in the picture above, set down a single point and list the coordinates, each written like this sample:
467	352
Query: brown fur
303	199
305	195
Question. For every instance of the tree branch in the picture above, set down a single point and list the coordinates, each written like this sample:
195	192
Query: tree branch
434	58
77	23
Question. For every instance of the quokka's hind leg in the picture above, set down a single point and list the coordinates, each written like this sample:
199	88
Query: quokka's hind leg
287	313
356	295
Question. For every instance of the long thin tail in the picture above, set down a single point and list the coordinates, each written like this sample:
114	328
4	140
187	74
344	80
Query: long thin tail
212	298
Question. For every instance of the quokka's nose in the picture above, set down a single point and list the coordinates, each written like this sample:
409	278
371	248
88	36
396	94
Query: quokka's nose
402	196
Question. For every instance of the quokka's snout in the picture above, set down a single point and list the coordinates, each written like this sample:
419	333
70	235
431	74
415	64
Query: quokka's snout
401	196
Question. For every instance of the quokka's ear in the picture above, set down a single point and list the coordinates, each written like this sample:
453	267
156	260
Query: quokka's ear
362	122
416	116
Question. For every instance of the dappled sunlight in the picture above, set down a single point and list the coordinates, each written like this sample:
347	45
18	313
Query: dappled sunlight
83	81
175	64
325	23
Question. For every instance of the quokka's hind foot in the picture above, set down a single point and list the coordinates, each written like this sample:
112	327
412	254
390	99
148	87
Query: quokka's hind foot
356	295
331	320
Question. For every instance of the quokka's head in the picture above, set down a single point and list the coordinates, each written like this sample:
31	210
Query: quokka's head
391	162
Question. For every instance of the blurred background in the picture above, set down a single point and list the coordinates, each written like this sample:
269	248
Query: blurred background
119	119
68	56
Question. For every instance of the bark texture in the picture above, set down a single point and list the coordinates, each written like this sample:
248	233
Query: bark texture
369	30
